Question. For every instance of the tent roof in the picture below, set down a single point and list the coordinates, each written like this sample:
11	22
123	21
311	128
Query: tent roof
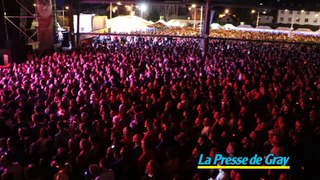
215	26
162	21
263	27
303	30
128	24
283	28
229	26
157	25
179	22
245	26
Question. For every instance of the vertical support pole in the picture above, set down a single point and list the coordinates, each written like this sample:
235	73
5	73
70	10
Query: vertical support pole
206	28
55	20
258	17
78	23
201	19
110	11
195	16
62	17
291	27
5	21
71	24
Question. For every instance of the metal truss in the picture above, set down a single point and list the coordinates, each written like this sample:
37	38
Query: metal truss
30	15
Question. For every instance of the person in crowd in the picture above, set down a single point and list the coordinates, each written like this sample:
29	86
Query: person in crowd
151	172
107	172
11	169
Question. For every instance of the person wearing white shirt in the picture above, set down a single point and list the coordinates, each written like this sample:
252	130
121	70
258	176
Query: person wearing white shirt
222	175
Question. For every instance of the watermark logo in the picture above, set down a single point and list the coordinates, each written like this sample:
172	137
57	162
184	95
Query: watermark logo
255	162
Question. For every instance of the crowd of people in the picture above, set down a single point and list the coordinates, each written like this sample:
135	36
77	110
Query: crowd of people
237	34
146	108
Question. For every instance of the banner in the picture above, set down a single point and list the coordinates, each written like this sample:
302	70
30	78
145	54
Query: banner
45	25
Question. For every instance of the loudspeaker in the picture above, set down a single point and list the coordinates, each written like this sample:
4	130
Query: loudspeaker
17	51
66	39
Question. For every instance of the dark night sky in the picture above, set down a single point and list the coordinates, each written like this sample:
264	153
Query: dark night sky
11	9
60	2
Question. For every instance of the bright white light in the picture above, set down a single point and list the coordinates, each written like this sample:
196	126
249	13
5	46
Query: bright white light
119	3
193	5
143	7
114	9
128	7
253	11
128	24
67	7
226	11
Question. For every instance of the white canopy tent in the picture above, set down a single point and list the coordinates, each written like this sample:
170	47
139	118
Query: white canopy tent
229	26
245	27
306	31
264	27
283	28
303	30
126	24
215	26
162	21
181	22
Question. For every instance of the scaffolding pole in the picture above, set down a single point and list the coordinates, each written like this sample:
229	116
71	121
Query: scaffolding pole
206	28
7	18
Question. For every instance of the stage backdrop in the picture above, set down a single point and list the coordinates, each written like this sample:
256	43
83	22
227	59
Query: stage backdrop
45	25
